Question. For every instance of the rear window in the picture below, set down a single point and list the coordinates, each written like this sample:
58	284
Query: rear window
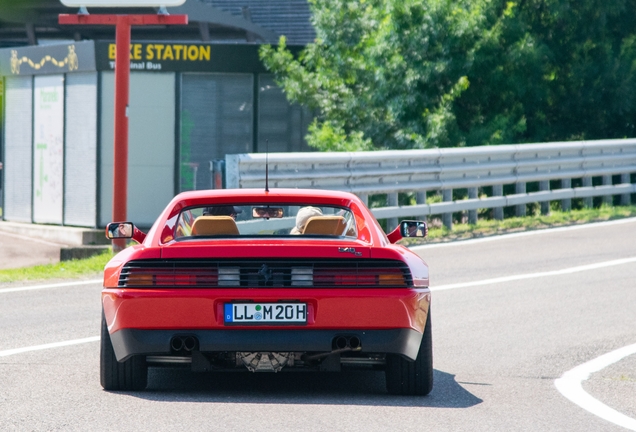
263	220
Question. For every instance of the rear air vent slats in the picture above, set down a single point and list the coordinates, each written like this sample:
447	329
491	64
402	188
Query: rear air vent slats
265	273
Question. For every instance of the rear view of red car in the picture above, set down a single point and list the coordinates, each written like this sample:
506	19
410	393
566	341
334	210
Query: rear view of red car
267	281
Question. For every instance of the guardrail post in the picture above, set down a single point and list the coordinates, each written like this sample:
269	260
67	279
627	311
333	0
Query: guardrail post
587	202
626	199
420	197
566	204
545	205
217	169
497	190
472	214
364	198
232	171
520	209
607	181
393	202
447	218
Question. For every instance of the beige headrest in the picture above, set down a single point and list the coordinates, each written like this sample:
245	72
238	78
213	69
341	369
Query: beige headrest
214	225
325	225
303	216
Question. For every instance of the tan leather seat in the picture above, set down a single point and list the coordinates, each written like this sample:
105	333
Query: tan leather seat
214	225
325	225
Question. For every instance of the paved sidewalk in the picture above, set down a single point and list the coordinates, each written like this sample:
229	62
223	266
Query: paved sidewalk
26	245
22	251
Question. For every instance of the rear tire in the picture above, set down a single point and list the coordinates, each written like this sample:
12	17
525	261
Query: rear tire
128	375
412	378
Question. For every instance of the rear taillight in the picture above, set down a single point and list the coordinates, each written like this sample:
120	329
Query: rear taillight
140	279
251	274
167	277
366	277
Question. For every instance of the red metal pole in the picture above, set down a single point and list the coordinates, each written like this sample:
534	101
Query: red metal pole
122	90
122	94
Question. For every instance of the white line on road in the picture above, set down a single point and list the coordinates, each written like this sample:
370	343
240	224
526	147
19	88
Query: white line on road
570	386
56	285
534	275
523	234
48	346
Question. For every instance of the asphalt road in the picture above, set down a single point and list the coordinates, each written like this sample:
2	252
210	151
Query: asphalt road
498	349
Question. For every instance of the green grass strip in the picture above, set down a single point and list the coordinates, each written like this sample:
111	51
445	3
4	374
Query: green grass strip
489	227
62	270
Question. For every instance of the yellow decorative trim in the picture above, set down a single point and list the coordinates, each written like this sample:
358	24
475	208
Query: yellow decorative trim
70	60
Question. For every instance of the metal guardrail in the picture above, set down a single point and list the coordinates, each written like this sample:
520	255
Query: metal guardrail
421	171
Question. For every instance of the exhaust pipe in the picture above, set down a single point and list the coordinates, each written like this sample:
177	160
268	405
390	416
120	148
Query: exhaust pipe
354	342
342	345
344	342
176	343
186	343
189	343
341	342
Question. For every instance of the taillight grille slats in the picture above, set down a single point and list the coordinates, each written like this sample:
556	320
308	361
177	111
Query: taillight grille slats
148	274
265	273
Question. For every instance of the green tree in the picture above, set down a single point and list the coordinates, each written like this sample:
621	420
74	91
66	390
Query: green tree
383	73
554	70
432	73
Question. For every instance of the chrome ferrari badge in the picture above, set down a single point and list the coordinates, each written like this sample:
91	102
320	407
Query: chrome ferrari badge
265	275
350	250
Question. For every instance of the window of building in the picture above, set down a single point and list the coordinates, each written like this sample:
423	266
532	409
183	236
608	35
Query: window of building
283	124
216	119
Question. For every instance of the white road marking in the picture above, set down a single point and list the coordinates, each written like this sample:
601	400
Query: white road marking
48	346
524	234
535	275
55	285
570	386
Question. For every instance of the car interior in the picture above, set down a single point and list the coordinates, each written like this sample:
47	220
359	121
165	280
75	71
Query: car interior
214	225
325	225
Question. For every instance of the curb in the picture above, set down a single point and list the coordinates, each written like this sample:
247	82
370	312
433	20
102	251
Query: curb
80	252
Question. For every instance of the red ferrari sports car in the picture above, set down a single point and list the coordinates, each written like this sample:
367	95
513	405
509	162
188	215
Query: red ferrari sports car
267	281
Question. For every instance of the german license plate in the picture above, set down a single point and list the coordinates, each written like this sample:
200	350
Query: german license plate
265	313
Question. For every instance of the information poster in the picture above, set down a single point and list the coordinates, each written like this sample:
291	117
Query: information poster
48	149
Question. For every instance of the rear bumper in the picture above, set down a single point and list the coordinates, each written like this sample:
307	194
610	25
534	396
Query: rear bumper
129	342
327	309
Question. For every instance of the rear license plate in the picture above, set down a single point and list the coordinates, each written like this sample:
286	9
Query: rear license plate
265	313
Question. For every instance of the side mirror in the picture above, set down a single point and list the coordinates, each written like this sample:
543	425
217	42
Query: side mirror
119	230
409	228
